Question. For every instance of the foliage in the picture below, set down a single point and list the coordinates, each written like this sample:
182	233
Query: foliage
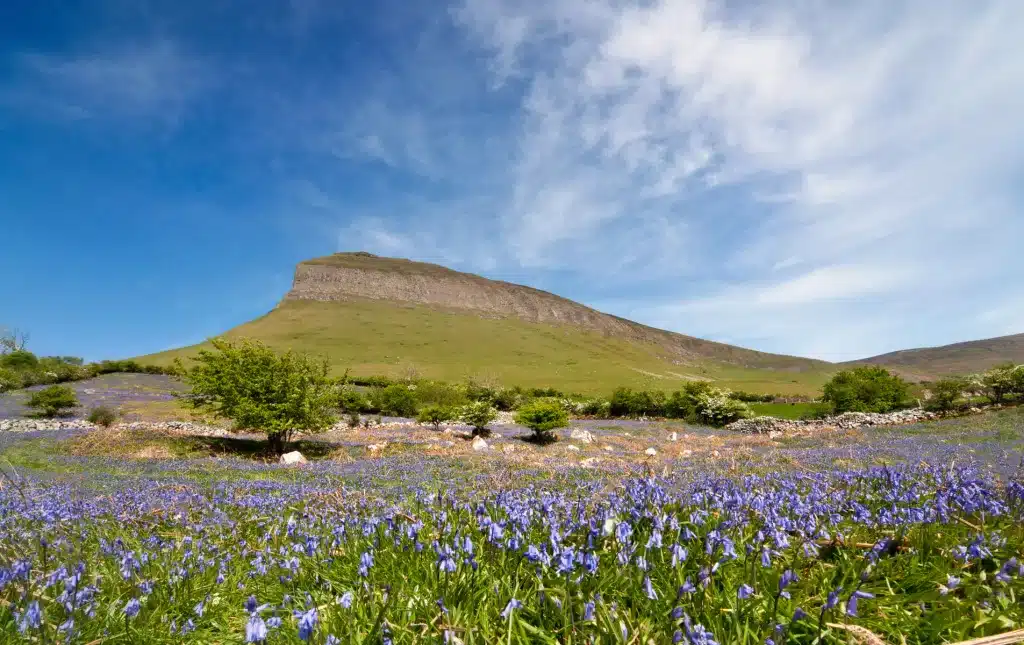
946	394
716	408
350	400
1003	380
19	359
751	397
395	400
435	415
626	402
53	401
542	416
9	380
865	389
478	414
262	390
440	393
102	416
683	403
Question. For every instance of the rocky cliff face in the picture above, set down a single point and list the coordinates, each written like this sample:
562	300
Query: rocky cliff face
366	276
347	276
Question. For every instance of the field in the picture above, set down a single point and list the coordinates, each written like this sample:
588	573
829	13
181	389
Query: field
405	535
378	338
783	410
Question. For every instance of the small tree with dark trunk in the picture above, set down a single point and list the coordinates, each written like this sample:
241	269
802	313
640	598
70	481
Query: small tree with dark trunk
478	415
259	389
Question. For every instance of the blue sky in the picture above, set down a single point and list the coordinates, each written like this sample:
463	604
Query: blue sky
807	177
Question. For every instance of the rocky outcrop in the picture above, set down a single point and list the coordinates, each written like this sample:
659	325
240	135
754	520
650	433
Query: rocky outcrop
846	421
362	276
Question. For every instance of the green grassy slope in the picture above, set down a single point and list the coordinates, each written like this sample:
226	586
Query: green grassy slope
381	337
959	358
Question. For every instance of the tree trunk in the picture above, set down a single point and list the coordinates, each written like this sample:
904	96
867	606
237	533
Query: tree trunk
276	441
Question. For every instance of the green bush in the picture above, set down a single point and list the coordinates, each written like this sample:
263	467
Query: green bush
478	414
9	380
477	391
626	402
716	408
102	416
258	389
395	401
946	394
751	397
865	389
53	401
542	417
435	415
350	400
682	404
509	398
437	393
19	360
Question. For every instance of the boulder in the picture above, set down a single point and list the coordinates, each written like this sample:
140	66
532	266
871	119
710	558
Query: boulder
650	452
572	448
293	458
674	436
479	443
579	434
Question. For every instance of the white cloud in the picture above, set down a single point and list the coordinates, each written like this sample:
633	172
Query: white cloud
847	138
156	81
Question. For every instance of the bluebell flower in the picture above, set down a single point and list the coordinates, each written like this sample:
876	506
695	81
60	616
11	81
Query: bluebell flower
307	623
588	611
649	588
131	609
255	629
346	600
512	605
31	618
745	591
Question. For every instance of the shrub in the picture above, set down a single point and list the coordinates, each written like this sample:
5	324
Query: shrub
396	401
102	416
477	391
543	416
478	414
353	419
53	401
9	380
682	404
946	394
258	389
509	398
865	389
19	359
716	408
352	401
751	397
435	415
625	402
437	393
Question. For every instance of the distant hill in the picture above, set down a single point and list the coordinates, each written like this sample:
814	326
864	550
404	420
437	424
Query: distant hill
959	358
376	315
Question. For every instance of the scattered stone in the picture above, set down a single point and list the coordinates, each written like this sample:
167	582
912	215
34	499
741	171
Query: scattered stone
479	443
590	462
293	458
573	448
374	448
508	449
650	452
579	434
609	449
686	453
674	436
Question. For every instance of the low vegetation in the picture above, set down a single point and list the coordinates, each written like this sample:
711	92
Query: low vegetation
53	401
102	416
543	417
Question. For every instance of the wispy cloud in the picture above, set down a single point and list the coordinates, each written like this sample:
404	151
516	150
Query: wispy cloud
155	81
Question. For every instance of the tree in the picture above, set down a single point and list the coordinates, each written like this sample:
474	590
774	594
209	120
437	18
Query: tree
478	414
53	401
946	393
1001	380
259	389
19	359
435	415
12	340
865	389
9	380
542	417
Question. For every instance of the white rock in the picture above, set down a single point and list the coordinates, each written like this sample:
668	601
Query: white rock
651	452
573	448
674	436
377	447
293	458
686	453
579	434
508	449
479	443
609	449
590	462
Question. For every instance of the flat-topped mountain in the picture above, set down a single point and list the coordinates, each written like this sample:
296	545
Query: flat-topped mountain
377	315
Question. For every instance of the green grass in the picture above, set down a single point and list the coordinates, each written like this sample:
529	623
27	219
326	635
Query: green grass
372	337
783	410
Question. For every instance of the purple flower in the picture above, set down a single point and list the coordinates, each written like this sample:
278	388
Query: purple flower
255	629
649	588
512	605
745	591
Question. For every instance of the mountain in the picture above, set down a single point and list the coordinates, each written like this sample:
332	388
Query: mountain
376	315
959	358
